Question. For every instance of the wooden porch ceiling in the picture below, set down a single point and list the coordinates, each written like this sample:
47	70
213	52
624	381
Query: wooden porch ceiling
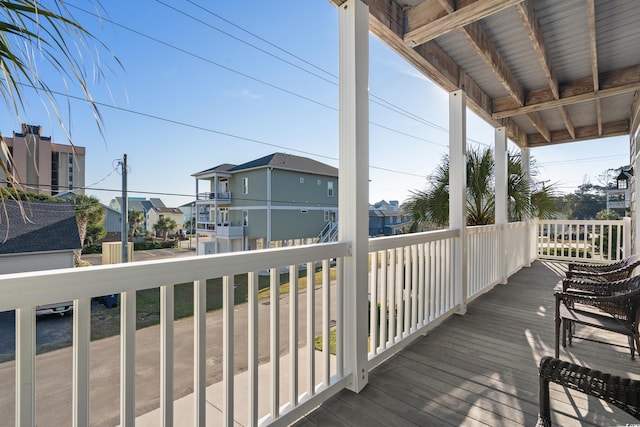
550	72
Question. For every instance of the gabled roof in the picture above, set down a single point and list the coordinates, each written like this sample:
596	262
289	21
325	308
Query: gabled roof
48	226
288	162
225	167
171	211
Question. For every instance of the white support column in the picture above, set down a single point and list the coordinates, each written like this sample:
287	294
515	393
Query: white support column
458	191
353	197
525	159
502	201
268	208
635	244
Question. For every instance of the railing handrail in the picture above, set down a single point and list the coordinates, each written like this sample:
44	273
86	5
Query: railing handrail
51	286
401	240
581	221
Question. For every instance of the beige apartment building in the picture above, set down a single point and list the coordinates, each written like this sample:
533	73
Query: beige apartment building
42	166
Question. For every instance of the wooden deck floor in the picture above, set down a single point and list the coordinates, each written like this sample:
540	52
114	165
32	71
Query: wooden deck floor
481	368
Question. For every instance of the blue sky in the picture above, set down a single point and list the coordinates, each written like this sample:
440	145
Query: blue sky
191	97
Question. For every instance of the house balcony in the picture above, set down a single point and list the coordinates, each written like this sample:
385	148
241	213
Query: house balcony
236	363
211	197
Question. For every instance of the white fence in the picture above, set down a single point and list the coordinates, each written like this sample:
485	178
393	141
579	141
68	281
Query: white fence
414	285
585	241
24	291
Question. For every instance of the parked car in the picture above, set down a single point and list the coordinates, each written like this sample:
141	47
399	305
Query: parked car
58	308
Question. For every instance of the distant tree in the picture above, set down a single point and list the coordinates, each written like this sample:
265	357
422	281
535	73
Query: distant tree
164	226
431	206
135	217
585	202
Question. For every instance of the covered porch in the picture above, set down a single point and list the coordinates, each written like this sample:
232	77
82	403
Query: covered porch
477	363
482	368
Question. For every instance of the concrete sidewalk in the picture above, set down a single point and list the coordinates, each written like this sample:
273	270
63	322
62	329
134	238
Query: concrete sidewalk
184	407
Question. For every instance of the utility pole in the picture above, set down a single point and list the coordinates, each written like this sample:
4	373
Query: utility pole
125	211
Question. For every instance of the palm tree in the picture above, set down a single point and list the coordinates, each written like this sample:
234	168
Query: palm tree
431	206
164	226
135	218
88	210
36	35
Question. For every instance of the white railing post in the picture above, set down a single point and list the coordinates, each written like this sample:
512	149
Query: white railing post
199	351
128	358
81	342
166	354
626	239
458	192
501	162
353	202
25	367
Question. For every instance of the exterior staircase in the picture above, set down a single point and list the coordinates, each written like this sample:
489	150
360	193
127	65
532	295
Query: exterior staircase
329	233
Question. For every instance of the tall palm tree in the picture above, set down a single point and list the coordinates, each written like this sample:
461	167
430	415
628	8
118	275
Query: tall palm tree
135	218
164	226
88	210
431	206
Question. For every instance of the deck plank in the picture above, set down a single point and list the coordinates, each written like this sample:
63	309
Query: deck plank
482	368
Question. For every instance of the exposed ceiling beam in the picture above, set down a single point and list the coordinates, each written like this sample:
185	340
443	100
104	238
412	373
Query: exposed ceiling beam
423	25
611	83
634	114
538	123
490	55
591	25
582	134
567	122
385	22
532	27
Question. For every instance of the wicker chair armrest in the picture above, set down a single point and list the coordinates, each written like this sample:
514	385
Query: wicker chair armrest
594	268
601	288
621	392
608	276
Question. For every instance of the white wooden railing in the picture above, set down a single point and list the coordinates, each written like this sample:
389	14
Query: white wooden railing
24	291
589	240
413	286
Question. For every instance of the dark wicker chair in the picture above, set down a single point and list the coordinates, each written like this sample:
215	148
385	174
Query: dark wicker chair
621	392
619	270
600	288
617	311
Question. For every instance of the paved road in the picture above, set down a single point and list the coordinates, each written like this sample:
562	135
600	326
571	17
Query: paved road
54	331
53	386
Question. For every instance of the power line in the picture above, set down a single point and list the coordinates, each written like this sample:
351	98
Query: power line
273	86
204	129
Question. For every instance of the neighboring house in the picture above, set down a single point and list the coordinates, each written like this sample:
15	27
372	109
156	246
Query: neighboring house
139	204
270	201
387	219
155	214
43	166
189	211
112	218
43	239
619	195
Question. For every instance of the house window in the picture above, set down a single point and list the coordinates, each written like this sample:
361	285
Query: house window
329	188
245	185
301	180
319	182
245	218
327	216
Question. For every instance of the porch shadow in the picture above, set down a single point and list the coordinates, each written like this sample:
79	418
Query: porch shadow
482	368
